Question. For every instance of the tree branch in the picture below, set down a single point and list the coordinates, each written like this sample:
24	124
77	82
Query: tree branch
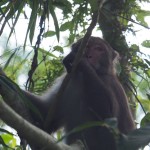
31	133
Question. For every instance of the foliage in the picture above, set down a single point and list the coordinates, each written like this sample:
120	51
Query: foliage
8	140
41	66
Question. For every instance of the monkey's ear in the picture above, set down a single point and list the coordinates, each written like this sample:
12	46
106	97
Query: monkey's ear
115	55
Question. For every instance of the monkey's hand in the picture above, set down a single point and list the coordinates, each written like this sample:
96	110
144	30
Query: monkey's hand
89	73
84	65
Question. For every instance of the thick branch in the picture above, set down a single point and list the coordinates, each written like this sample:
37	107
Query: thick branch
29	131
32	134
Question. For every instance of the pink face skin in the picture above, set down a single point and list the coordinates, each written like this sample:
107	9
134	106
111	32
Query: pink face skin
94	53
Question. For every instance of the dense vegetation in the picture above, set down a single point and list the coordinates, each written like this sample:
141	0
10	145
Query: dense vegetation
51	26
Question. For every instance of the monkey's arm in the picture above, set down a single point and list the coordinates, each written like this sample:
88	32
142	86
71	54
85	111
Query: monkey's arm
98	92
42	102
36	103
91	75
111	95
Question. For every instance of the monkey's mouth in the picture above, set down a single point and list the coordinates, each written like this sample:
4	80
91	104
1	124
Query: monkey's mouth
92	61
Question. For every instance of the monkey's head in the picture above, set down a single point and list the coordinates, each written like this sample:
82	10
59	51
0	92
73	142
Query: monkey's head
98	53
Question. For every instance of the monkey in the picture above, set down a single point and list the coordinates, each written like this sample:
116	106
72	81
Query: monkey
99	73
93	93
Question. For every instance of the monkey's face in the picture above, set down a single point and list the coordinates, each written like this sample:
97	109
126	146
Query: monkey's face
97	55
93	54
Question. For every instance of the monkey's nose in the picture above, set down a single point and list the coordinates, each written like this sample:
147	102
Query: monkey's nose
89	56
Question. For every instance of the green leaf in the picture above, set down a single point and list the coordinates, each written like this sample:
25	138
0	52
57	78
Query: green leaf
4	139
9	59
64	5
110	123
46	52
140	16
66	26
146	43
59	49
33	19
32	22
84	127
51	9
93	4
146	120
13	9
49	34
10	10
144	12
16	19
3	2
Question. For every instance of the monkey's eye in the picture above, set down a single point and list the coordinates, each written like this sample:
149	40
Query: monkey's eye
87	56
98	48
